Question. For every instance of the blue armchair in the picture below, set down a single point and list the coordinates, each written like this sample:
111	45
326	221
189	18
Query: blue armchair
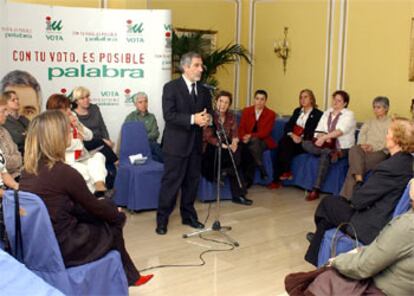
41	253
137	186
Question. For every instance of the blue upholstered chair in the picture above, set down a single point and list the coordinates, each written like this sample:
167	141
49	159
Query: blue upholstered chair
41	253
345	243
137	186
305	171
16	279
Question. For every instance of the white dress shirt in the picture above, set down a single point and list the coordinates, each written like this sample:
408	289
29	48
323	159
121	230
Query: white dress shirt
189	87
346	124
303	117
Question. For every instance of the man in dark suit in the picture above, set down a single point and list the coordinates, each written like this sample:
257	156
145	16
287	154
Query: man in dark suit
187	109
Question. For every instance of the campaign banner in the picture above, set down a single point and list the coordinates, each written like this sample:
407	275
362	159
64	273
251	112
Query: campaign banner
114	53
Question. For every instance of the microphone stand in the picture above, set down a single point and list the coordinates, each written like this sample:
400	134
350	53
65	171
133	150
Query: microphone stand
216	226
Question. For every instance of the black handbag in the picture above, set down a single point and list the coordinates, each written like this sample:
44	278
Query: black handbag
18	241
335	238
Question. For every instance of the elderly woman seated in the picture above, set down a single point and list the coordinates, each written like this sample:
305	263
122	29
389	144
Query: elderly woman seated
370	208
389	259
11	158
16	124
370	150
85	228
90	166
224	121
142	114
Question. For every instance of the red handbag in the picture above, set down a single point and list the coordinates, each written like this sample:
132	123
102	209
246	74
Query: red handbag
298	130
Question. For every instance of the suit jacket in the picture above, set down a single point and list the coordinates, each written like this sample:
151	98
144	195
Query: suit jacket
375	201
264	125
310	125
180	136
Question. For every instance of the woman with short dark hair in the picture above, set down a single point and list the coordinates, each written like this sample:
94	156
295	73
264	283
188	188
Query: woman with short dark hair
334	135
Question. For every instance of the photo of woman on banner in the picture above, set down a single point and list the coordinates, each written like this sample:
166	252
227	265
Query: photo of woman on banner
27	89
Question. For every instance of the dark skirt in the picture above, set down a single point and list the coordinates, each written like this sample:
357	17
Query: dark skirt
91	239
209	168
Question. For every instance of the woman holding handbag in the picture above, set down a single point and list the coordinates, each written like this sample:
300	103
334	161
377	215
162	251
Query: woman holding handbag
334	135
300	127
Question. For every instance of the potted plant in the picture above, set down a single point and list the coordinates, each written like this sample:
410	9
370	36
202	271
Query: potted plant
212	59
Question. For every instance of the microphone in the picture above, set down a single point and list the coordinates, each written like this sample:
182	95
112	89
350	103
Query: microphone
209	87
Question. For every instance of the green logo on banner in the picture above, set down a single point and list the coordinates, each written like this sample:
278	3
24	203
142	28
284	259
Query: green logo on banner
53	26
134	28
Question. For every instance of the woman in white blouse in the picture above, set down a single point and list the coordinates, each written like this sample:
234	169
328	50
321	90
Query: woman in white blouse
334	136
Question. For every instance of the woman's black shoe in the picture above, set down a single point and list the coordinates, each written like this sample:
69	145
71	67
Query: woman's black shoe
242	200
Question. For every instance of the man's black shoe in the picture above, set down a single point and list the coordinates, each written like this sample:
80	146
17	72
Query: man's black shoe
309	236
193	223
161	229
242	200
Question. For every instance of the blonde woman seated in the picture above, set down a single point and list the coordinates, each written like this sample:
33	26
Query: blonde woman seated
90	165
370	150
86	228
389	259
90	116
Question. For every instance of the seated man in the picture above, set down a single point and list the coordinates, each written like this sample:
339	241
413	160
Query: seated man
150	122
255	134
15	124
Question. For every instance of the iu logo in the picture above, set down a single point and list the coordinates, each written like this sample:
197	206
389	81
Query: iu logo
129	98
134	28
53	26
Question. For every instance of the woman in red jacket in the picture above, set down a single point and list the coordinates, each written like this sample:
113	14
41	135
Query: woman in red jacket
255	135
